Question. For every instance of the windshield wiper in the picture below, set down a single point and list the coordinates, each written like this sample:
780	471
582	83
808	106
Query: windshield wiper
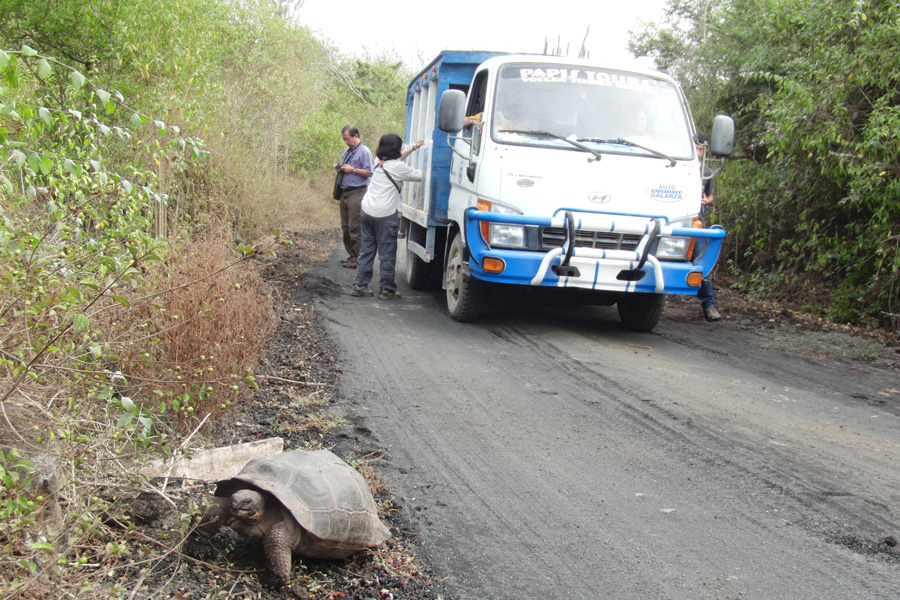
570	140
624	142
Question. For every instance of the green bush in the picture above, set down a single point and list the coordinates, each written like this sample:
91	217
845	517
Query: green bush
812	197
136	149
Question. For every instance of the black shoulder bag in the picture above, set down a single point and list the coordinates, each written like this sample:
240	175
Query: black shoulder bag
339	178
338	190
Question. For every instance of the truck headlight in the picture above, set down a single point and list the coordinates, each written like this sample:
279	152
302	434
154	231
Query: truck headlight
501	234
674	247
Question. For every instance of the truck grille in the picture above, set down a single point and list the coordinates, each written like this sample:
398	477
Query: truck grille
552	237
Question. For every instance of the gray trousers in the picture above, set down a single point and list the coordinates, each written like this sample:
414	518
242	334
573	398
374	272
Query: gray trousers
379	234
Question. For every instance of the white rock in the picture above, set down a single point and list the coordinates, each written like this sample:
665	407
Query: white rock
217	463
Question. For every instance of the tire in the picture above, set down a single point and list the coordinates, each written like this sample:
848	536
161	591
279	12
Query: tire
418	272
641	312
465	294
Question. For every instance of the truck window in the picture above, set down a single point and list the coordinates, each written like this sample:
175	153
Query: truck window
475	108
590	104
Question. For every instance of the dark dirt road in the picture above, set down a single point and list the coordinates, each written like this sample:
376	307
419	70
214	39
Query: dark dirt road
550	453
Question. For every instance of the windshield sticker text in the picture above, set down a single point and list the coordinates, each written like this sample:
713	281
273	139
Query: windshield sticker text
628	82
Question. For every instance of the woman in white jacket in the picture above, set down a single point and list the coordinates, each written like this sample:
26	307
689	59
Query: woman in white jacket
380	221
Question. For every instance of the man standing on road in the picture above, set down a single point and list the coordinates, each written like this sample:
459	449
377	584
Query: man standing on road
357	166
705	293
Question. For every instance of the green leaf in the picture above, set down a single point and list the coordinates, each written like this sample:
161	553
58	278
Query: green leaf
76	79
71	167
128	405
95	164
19	158
79	323
28	51
103	95
160	125
126	185
110	107
45	115
46	165
136	120
4	60
34	162
44	69
105	130
45	546
122	300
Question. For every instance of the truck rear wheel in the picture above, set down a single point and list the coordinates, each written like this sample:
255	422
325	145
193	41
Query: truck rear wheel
465	294
418	272
641	312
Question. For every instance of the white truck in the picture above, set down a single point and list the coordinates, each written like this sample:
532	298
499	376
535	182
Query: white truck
564	176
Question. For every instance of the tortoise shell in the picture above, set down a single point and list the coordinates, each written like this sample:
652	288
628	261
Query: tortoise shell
325	495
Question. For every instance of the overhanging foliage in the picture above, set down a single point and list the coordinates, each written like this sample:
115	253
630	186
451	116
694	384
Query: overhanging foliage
813	206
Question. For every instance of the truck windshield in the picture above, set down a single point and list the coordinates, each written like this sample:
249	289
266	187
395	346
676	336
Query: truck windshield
605	110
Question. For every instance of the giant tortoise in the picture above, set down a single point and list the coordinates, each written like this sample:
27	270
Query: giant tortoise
309	502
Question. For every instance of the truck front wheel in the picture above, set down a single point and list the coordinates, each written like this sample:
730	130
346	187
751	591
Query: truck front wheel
465	294
641	312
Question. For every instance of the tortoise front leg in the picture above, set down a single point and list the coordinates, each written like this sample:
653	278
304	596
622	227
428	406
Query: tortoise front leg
218	513
278	553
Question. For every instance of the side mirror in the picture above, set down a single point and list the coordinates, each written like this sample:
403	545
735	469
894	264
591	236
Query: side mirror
451	113
722	141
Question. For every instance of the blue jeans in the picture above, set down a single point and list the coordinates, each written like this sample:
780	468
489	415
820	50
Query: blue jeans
705	293
379	234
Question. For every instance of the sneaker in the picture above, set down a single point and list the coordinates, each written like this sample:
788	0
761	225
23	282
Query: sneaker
711	314
389	295
361	291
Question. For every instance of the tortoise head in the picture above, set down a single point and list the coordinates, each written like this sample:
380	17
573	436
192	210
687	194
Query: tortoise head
248	505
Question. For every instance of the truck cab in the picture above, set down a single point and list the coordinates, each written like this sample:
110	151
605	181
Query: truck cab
560	174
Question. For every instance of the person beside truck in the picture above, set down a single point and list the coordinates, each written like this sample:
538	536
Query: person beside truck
356	165
705	293
379	216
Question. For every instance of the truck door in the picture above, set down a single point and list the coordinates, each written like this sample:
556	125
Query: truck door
467	171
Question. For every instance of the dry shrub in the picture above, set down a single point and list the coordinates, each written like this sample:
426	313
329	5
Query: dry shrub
215	317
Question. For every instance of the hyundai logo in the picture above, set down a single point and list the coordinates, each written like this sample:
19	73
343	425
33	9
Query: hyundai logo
599	197
525	183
